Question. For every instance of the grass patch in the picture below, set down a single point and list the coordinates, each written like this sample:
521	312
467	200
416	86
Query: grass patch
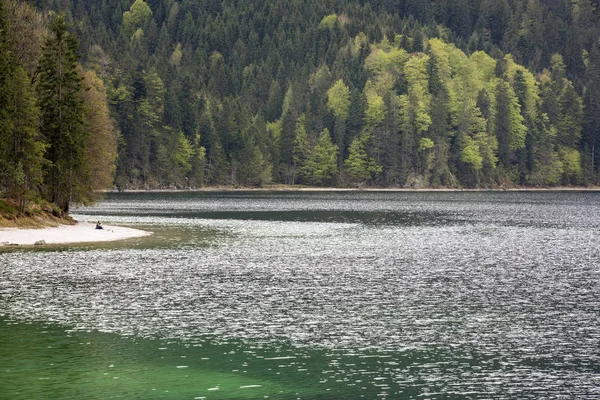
7	210
36	215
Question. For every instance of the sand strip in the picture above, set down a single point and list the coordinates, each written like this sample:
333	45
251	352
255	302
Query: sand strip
82	232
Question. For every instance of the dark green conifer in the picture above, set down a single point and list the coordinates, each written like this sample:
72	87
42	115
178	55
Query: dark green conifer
67	178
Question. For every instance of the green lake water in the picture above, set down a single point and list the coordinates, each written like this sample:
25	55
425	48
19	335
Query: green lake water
252	295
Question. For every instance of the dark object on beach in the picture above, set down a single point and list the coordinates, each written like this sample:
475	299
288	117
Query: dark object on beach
99	225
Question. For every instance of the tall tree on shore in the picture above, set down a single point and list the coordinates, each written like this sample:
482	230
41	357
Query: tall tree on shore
101	146
5	120
67	178
25	150
4	78
339	103
21	148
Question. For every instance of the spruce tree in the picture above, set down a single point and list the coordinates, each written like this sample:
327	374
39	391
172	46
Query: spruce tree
21	148
25	151
320	167
63	118
5	122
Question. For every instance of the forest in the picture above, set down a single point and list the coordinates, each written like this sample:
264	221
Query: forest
58	141
404	93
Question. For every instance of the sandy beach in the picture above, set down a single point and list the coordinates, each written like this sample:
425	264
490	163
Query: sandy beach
82	232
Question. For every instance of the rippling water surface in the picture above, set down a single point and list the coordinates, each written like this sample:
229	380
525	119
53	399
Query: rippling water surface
323	295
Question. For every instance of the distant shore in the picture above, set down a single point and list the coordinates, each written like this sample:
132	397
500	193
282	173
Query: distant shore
81	232
290	188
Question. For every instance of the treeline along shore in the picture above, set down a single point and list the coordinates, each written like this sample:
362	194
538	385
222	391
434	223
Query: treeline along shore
373	94
57	139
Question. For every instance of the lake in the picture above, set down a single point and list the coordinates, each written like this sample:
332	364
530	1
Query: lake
312	295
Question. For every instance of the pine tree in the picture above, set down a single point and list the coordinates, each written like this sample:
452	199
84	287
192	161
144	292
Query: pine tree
510	130
5	118
301	146
359	166
321	166
5	67
339	103
67	178
25	151
21	147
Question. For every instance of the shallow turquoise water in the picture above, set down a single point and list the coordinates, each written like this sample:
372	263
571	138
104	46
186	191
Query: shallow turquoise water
312	295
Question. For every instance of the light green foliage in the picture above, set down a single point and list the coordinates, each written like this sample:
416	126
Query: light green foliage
415	70
472	137
102	142
488	148
339	100
376	109
274	130
417	111
425	144
301	145
260	170
152	107
183	154
359	42
470	153
359	166
329	21
390	62
484	66
549	170
136	18
321	166
138	35
571	162
440	49
339	103
532	97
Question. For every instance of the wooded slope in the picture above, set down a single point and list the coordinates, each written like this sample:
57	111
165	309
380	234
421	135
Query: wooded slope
461	93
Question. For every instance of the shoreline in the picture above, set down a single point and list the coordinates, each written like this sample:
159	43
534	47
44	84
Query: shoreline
81	232
368	189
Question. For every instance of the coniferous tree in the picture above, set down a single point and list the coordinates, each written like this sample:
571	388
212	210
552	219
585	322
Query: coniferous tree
339	103
321	165
5	67
67	178
359	166
21	147
25	150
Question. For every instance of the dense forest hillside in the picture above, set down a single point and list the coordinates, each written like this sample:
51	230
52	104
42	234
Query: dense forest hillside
407	93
